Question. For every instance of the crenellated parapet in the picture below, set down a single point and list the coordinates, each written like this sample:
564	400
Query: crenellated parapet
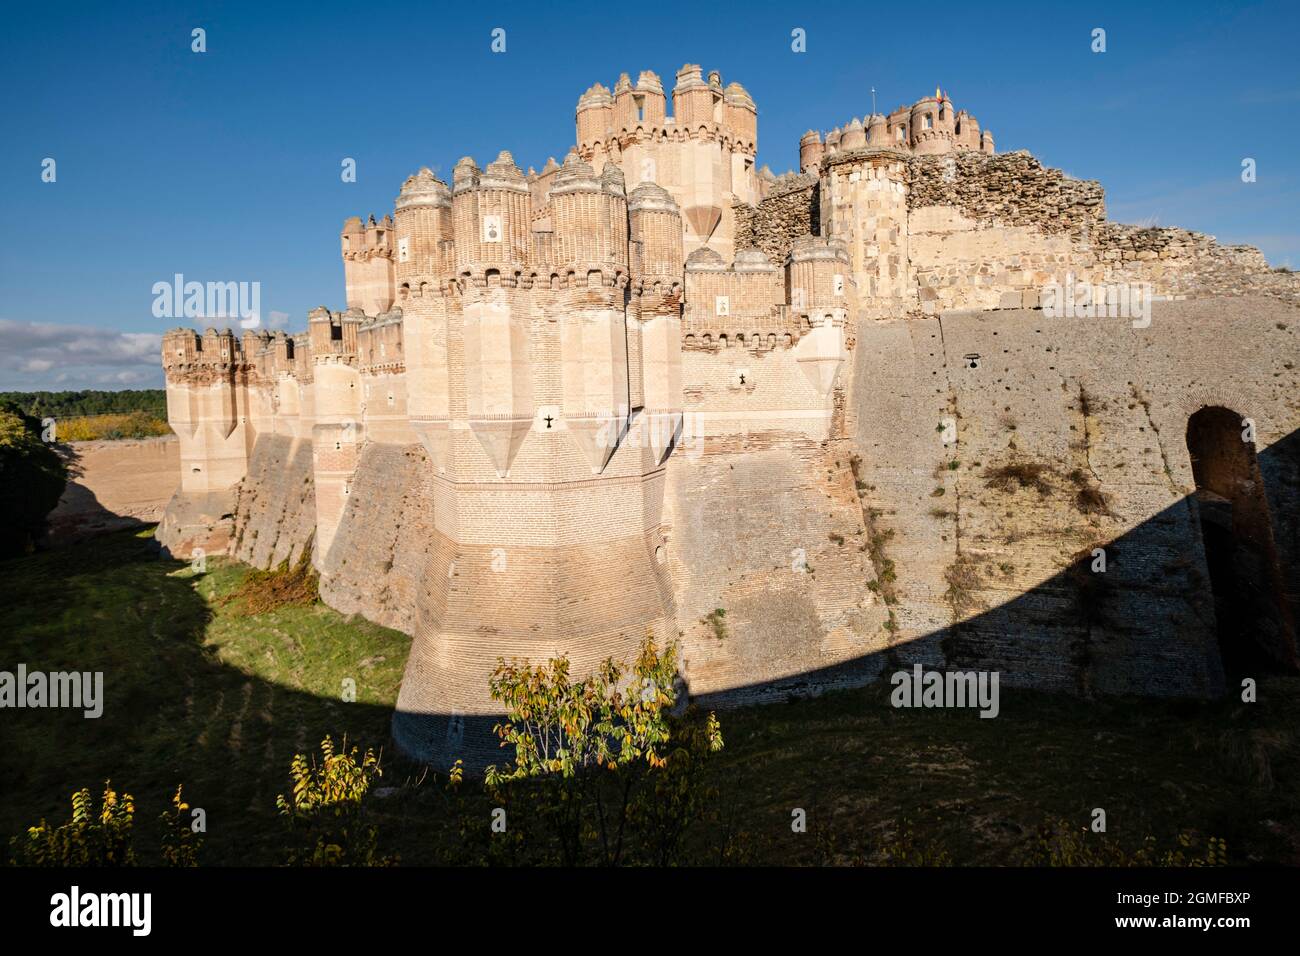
929	127
369	253
702	153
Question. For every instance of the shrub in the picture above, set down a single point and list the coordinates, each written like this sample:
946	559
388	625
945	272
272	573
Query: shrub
138	424
180	844
32	477
92	837
964	579
601	772
716	619
284	586
325	812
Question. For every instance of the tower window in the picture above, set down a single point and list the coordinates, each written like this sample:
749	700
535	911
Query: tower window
929	121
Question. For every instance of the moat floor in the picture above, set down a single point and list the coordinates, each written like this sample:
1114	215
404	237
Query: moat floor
200	693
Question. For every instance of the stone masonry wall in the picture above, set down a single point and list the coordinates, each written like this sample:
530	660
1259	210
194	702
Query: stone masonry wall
1090	418
275	509
376	564
1025	220
791	209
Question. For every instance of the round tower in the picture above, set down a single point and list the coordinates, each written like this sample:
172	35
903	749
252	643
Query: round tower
491	212
692	99
656	223
810	151
595	118
741	118
966	133
423	213
589	216
878	132
626	113
650	100
855	137
932	126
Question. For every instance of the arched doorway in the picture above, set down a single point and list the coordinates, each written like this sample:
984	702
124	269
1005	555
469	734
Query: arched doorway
1255	628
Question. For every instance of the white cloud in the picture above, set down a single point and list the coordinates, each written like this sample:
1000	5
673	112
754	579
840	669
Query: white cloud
50	355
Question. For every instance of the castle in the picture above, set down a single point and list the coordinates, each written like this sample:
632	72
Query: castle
653	389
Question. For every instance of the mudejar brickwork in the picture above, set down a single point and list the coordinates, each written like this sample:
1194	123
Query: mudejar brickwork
568	407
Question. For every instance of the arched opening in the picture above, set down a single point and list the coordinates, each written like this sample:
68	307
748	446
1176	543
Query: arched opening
1254	623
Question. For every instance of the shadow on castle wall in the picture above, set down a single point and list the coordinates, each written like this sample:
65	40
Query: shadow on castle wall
1140	626
112	486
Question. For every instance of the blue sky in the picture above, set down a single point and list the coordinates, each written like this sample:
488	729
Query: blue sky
225	165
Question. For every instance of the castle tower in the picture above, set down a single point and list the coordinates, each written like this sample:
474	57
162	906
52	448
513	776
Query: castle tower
547	508
336	432
492	217
424	228
703	154
966	134
877	131
811	150
820	293
368	272
207	407
854	136
864	207
589	214
932	126
595	118
655	343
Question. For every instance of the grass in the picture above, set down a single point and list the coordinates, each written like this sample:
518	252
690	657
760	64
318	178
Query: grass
1025	474
196	691
202	693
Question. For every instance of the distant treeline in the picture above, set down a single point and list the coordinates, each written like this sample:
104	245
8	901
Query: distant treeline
64	405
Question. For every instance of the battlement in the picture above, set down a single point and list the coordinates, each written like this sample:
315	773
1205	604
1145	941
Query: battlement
702	109
929	127
183	348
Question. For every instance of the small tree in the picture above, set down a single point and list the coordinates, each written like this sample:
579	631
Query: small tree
32	477
325	813
180	844
593	759
92	837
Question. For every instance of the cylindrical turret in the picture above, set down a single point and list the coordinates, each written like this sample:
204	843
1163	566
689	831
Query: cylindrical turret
595	116
625	107
810	151
932	126
650	99
491	212
692	99
589	215
424	220
741	117
878	131
855	137
656	223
